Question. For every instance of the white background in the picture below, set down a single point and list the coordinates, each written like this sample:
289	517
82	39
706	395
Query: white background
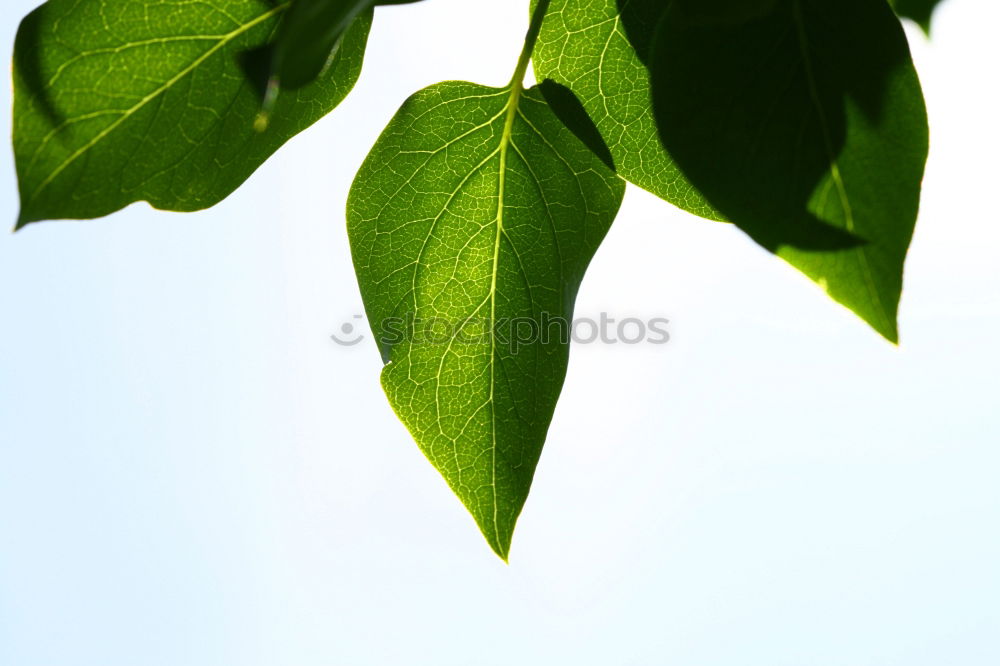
192	473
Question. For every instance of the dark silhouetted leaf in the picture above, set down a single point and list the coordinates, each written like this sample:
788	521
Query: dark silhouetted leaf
306	40
803	123
770	114
919	11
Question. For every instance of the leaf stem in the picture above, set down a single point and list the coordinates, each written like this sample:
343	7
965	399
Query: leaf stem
530	38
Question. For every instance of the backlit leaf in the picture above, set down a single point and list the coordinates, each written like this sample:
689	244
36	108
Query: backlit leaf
116	102
471	224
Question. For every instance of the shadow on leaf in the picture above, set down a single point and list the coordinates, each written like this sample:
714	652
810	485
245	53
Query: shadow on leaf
749	99
570	111
28	66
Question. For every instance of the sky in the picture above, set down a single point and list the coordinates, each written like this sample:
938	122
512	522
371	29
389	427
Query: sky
192	473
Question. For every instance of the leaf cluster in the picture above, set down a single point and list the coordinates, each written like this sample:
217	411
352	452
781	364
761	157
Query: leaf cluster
800	122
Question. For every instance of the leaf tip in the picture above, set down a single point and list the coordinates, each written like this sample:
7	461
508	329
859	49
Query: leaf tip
22	221
885	325
503	552
499	540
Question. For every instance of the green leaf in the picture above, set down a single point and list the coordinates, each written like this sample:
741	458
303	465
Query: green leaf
809	134
804	124
583	45
919	11
471	223
117	102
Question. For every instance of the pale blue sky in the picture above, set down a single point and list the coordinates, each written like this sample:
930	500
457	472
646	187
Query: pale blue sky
192	474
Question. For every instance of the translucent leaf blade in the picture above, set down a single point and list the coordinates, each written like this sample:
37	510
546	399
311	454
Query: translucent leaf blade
471	224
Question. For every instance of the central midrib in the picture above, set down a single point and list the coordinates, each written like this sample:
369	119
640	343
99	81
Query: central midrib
516	89
505	138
